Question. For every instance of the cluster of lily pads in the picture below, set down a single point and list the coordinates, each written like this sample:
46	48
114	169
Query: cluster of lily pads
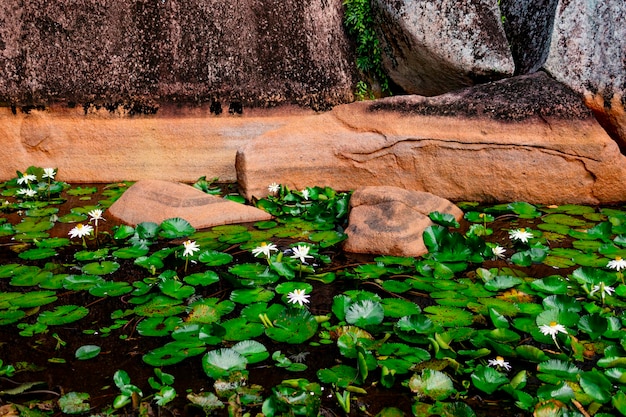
468	319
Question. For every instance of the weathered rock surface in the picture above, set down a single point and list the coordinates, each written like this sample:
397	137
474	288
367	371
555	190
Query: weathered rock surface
155	201
391	221
588	53
137	54
528	26
430	48
525	138
174	145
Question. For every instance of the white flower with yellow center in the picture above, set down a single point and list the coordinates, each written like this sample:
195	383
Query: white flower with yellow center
191	247
498	251
26	192
499	362
26	179
298	296
301	252
273	188
264	249
48	173
95	214
617	264
81	230
552	330
520	234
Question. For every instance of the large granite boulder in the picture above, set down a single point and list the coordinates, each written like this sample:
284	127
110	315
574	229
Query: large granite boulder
391	221
134	55
528	26
588	53
524	138
432	47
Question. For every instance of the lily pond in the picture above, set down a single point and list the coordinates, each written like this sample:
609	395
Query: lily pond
516	310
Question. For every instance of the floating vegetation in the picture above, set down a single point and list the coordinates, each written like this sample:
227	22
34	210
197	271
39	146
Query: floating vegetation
519	304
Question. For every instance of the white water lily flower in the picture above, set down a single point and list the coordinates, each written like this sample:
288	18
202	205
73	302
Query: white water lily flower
48	173
265	249
604	289
552	329
498	251
191	247
96	214
305	194
26	178
499	362
273	187
618	263
81	230
520	234
298	296
302	252
27	192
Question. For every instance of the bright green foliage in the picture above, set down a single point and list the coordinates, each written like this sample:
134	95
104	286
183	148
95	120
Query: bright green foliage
359	21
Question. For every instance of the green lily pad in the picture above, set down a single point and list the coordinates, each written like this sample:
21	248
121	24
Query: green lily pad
444	219
160	306
81	282
214	258
328	238
218	364
176	228
502	282
72	218
397	287
32	299
158	326
565	219
553	284
101	268
176	289
413	328
397	307
123	231
63	314
131	252
209	310
6	229
74	402
295	326
30	277
433	384
110	289
241	329
251	295
174	352
252	350
87	352
78	191
365	313
11	316
95	255
488	379
202	278
449	316
27	226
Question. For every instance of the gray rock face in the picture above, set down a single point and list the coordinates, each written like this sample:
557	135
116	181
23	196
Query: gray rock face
137	54
528	26
432	47
588	53
391	221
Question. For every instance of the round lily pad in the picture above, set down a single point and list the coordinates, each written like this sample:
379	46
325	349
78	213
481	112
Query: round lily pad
110	289
397	307
101	268
296	326
174	352
214	258
87	352
251	295
241	329
449	316
218	364
175	228
252	350
62	315
158	326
